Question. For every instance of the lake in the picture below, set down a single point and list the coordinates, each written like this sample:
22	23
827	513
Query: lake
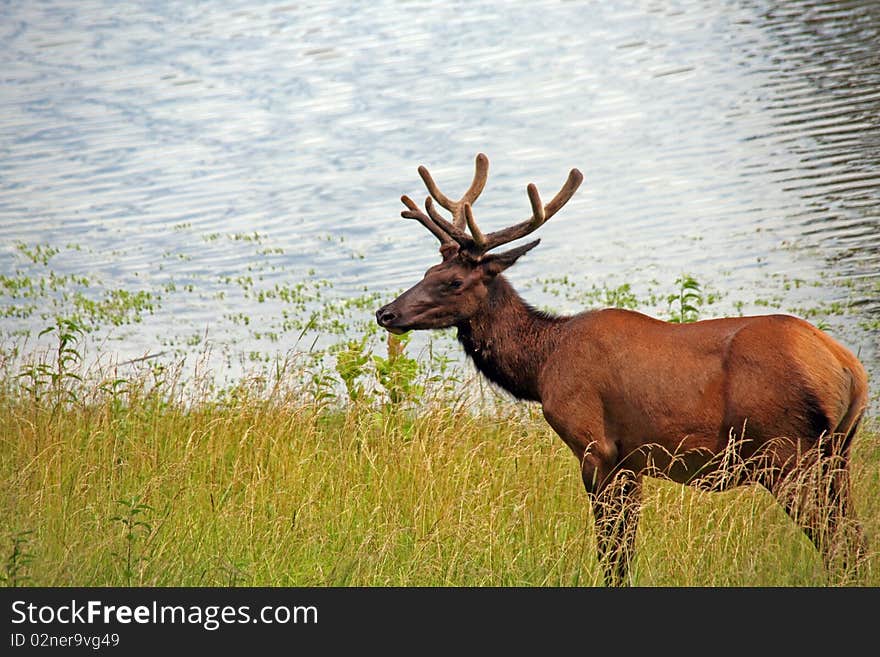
207	175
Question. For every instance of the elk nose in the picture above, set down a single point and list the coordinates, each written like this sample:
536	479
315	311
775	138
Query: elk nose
385	316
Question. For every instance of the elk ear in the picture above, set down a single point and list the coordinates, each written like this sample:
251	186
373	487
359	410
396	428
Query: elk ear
497	262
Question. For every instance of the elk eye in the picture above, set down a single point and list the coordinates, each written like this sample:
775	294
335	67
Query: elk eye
455	283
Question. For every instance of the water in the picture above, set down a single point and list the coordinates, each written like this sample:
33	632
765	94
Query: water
166	145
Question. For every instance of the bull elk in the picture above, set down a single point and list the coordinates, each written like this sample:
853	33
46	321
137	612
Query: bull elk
634	396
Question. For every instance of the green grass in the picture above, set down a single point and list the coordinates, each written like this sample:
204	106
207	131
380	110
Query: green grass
144	478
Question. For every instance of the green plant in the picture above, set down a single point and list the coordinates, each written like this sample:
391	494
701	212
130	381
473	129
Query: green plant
397	373
621	296
18	560
685	302
352	358
67	356
133	525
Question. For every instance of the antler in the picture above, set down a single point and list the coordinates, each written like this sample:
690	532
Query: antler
540	214
481	174
445	237
454	235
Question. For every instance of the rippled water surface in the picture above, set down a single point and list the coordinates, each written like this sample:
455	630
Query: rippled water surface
182	148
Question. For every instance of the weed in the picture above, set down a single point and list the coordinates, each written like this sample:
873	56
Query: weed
397	373
42	376
134	522
685	302
18	560
352	358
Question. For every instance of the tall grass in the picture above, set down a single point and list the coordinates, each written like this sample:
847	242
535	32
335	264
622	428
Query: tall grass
138	476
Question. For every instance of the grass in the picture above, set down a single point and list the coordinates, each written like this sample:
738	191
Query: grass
133	475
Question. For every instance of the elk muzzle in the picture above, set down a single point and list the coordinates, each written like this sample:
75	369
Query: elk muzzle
386	317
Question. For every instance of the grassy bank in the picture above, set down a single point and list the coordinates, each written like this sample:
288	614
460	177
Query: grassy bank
115	477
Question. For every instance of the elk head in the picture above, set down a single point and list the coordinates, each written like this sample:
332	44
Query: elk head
456	289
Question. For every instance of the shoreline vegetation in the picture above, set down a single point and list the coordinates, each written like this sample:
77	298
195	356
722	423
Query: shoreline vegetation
137	480
368	461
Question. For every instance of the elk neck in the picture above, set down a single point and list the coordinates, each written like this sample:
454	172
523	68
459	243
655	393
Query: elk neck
509	340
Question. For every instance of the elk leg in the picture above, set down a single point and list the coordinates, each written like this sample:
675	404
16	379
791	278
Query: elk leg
614	492
846	538
815	492
616	511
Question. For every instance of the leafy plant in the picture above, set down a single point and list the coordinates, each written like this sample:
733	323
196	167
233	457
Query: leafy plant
44	375
352	358
133	525
18	560
397	373
621	296
685	302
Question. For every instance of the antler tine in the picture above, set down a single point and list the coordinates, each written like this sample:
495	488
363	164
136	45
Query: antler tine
478	237
481	175
456	233
415	213
540	213
575	178
440	197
